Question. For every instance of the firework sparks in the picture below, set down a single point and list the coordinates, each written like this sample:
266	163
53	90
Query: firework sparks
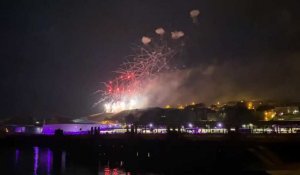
194	15
177	34
126	90
146	40
160	31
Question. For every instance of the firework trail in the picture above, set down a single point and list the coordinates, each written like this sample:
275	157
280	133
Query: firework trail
126	91
194	15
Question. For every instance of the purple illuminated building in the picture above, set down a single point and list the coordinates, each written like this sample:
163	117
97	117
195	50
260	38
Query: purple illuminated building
70	129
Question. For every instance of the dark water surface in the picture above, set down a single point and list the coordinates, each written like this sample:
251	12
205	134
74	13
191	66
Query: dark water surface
138	155
45	161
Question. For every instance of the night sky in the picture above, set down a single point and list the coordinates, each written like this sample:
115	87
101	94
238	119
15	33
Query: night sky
55	54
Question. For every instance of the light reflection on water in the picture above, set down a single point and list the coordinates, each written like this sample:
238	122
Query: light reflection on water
45	161
63	161
49	160
17	153
35	160
72	161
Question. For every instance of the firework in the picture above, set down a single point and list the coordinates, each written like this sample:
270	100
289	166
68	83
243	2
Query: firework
126	91
194	15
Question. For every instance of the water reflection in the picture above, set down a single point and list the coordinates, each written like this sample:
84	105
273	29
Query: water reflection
54	160
35	160
17	155
47	161
63	161
114	171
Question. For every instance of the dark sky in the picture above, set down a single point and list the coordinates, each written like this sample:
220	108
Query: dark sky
54	54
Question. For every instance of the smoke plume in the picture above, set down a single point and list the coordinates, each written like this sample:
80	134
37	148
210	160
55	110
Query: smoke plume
269	78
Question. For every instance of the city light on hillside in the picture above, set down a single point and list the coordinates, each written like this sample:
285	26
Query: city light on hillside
250	105
269	115
180	107
168	106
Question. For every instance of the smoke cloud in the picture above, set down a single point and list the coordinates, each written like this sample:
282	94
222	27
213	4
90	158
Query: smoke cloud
269	78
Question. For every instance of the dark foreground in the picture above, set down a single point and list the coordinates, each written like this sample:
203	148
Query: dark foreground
150	154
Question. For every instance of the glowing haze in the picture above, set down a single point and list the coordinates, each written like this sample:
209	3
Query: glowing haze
133	86
148	77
